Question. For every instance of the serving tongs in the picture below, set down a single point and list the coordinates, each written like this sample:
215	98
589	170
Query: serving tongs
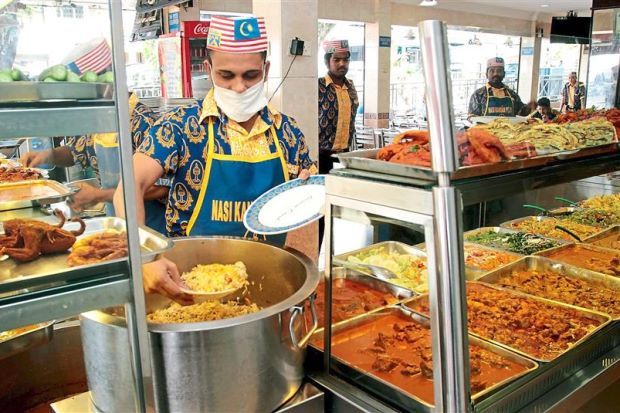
374	270
569	232
567	201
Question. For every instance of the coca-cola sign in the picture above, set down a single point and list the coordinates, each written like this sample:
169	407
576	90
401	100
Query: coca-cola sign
202	29
195	29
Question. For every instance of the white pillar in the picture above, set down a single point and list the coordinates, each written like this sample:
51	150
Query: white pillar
377	67
298	95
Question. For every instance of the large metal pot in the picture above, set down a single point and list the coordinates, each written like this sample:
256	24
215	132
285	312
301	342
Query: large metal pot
249	363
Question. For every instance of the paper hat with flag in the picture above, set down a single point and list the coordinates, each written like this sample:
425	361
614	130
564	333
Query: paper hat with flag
94	55
495	62
237	34
336	46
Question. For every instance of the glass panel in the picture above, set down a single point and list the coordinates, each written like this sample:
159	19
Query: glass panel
604	59
378	262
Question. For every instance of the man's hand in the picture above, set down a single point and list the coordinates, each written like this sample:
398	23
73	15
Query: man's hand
88	195
304	174
34	159
162	277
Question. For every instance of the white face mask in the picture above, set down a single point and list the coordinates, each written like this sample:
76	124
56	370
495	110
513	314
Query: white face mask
240	106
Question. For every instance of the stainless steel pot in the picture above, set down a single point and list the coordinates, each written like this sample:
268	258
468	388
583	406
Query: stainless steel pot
252	363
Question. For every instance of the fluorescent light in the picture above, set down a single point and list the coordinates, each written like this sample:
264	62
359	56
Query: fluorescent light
428	3
544	5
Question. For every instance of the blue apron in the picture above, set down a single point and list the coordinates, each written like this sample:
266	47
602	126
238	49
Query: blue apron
108	159
499	106
230	185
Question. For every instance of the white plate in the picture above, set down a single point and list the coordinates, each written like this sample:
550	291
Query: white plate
286	207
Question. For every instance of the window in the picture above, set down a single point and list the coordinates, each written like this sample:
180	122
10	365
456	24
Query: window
70	11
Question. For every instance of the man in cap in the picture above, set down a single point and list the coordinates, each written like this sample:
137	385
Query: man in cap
573	94
495	98
221	153
338	104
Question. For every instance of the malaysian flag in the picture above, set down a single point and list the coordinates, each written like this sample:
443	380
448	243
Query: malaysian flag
97	60
237	34
336	46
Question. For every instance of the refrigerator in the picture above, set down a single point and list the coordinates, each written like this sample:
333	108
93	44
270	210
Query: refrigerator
181	57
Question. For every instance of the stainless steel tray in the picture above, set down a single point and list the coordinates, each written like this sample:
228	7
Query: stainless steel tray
9	200
544	264
604	319
611	231
39	334
152	244
26	91
472	272
399	293
366	160
509	225
501	230
393	393
548	254
390	247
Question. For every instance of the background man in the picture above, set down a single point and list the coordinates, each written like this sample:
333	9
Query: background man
573	94
338	104
495	98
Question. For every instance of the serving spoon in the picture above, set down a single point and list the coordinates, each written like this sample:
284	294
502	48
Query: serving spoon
379	272
202	296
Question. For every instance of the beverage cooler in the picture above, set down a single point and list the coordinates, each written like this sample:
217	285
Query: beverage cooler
181	60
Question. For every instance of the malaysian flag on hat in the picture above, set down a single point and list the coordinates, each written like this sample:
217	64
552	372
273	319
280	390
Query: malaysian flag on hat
96	59
237	34
336	46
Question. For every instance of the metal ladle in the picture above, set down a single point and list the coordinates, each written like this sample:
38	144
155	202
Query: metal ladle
379	272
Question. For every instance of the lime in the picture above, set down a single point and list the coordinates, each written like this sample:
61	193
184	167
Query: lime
72	77
5	77
16	74
89	76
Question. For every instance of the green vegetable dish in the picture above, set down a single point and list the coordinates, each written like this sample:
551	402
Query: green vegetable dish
518	242
594	217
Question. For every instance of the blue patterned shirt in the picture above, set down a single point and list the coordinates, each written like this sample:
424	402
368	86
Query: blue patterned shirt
178	142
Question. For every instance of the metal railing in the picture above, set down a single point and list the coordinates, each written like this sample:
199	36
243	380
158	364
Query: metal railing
408	97
551	87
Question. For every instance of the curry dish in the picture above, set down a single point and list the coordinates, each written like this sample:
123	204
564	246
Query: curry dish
547	228
397	349
205	311
486	259
612	241
538	329
350	298
593	295
591	258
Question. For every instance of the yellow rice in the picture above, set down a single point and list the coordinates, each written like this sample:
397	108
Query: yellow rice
205	311
216	277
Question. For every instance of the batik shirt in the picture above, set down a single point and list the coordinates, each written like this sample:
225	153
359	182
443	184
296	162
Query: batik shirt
83	147
330	117
178	142
478	101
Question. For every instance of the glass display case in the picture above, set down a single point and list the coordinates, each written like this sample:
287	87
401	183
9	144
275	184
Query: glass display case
425	265
55	262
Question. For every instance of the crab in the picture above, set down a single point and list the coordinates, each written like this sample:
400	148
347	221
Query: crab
26	239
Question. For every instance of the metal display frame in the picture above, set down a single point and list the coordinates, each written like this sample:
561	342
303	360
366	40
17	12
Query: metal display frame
437	208
105	285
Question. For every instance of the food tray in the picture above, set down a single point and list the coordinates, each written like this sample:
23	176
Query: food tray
615	230
544	264
39	334
390	247
604	319
37	91
509	225
62	192
366	160
472	273
548	254
501	230
389	391
399	293
152	244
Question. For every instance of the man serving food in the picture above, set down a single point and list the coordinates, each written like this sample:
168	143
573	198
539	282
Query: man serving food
221	153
